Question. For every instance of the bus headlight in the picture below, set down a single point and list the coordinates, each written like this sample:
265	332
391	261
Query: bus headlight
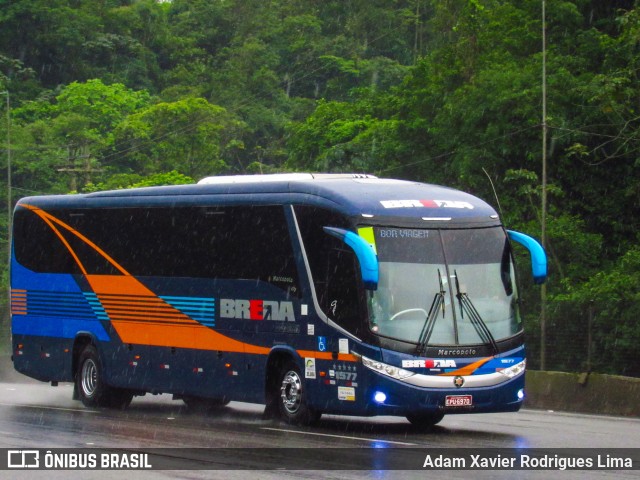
514	370
384	369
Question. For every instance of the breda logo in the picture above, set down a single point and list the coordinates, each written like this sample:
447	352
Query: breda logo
428	364
426	203
257	310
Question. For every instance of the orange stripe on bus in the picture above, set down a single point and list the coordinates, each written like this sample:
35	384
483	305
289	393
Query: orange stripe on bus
182	336
468	370
118	284
138	310
148	318
18	301
190	335
137	302
342	357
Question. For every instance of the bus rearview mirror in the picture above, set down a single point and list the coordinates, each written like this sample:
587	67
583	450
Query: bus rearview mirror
538	255
364	252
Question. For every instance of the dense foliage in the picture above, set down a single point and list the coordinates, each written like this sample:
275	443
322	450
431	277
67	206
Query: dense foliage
115	93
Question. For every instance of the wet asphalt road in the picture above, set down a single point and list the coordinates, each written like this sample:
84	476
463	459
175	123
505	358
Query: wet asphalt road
36	415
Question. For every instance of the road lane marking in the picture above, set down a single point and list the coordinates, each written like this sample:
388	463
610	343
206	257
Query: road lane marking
48	408
363	439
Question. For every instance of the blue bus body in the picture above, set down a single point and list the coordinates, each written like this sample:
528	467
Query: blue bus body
311	294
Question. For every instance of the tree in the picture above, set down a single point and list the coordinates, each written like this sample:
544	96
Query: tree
341	136
613	296
193	134
134	180
70	134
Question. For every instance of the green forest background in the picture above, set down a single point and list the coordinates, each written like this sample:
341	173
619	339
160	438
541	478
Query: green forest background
103	94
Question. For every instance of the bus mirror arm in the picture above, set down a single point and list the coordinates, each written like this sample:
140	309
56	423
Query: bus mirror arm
538	255
364	252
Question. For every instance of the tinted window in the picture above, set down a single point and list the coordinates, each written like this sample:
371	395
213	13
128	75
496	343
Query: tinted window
231	242
334	268
37	247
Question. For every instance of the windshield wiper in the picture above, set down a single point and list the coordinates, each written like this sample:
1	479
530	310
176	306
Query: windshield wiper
430	321
466	306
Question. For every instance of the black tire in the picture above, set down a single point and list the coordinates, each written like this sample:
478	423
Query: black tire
201	404
425	421
119	398
292	397
90	385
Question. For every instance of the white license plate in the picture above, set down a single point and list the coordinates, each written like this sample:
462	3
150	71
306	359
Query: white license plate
458	401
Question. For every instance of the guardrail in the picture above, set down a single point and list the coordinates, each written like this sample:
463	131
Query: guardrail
583	393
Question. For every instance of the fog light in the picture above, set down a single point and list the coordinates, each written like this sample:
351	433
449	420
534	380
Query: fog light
380	397
521	394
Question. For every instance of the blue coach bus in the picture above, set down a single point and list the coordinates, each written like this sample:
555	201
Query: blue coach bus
310	293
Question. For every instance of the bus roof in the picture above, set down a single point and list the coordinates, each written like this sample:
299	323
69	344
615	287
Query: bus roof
355	195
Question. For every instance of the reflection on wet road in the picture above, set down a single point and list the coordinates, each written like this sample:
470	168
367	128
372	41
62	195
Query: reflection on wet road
33	414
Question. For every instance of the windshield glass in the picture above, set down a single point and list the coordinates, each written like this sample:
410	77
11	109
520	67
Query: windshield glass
444	287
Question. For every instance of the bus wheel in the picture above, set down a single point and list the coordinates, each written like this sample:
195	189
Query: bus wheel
293	398
424	421
119	398
92	390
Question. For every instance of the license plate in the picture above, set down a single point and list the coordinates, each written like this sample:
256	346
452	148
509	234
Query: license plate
458	401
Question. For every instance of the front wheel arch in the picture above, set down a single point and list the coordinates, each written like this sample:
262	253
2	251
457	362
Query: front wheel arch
278	358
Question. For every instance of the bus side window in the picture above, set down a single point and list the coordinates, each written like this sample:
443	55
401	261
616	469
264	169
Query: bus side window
333	267
38	248
340	297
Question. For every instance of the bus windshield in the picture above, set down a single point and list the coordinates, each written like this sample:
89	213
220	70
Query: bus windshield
444	287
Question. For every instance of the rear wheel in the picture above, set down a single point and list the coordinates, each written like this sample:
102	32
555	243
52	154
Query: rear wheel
293	397
424	421
90	385
119	398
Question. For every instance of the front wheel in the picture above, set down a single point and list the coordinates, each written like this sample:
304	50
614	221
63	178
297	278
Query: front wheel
425	421
293	398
